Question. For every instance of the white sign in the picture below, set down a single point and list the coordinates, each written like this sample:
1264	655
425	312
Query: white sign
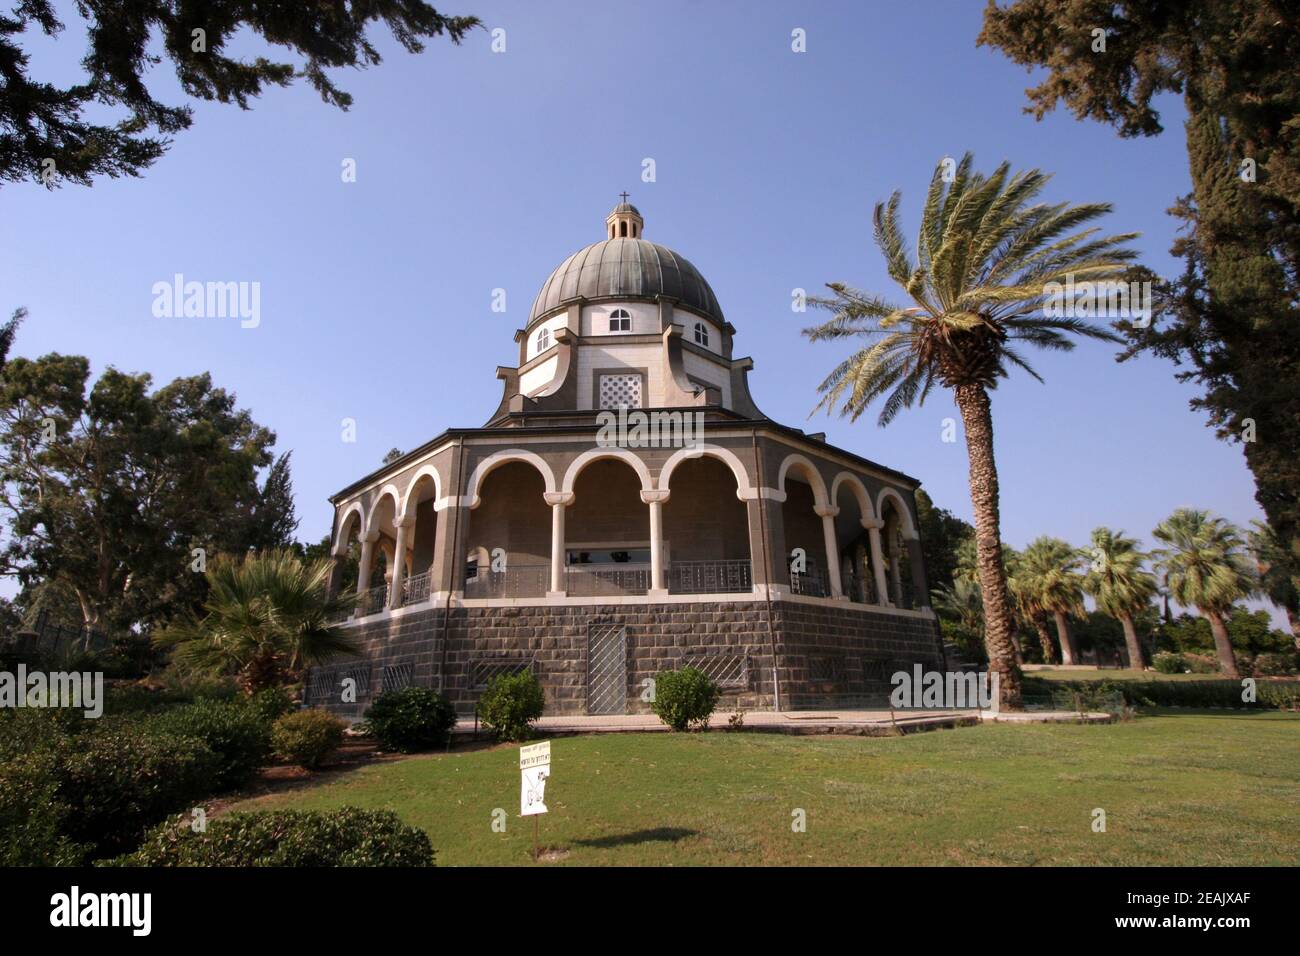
534	768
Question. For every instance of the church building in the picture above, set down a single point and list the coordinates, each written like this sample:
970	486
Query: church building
628	509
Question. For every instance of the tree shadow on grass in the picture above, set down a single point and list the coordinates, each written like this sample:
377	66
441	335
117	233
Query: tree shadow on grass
657	835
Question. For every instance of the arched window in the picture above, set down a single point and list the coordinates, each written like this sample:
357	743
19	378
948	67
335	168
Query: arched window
543	341
701	334
620	321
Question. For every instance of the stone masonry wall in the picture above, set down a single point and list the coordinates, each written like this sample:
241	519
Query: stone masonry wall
830	655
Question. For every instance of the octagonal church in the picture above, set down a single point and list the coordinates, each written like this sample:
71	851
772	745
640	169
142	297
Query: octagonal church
628	509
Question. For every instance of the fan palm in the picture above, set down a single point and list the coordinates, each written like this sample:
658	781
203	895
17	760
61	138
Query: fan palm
1206	567
266	617
1119	584
985	259
1279	573
960	602
1050	575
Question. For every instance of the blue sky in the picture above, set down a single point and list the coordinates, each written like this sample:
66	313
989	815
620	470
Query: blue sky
479	170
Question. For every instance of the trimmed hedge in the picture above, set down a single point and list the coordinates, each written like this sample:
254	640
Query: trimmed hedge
349	836
510	705
413	718
307	737
685	699
233	730
1094	694
32	816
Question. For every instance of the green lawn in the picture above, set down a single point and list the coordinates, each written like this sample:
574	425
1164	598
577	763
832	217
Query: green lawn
1181	789
1117	673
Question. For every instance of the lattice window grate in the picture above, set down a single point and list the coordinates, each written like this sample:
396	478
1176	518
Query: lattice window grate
397	676
620	391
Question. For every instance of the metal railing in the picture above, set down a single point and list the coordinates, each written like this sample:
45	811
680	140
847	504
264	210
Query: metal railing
529	580
373	600
710	577
600	580
810	582
416	588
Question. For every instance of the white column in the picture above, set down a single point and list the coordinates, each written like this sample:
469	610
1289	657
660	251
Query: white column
558	500
363	571
873	526
656	499
828	513
399	566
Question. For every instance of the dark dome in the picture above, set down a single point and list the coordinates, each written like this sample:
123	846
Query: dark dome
627	268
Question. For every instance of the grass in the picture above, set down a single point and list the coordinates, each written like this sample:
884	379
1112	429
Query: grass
1117	673
1177	789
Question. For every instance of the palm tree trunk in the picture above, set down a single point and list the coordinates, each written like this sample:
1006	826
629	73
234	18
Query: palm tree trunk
1135	661
1045	639
1064	635
977	421
1294	620
1222	644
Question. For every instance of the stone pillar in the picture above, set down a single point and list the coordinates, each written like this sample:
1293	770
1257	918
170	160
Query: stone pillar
827	514
399	565
558	500
920	593
873	526
363	572
655	499
764	516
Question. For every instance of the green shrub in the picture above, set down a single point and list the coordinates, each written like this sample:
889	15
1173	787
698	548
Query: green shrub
1201	663
413	718
32	816
307	737
510	705
272	703
1168	662
120	779
685	699
27	730
1274	665
349	836
233	730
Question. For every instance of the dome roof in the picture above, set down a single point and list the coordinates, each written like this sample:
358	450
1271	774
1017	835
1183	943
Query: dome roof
627	268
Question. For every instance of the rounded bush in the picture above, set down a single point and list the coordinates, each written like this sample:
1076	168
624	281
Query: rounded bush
510	705
123	778
348	836
32	817
307	737
272	703
233	730
1167	662
413	718
685	699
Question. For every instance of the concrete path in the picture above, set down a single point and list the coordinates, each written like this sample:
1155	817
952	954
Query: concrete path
869	723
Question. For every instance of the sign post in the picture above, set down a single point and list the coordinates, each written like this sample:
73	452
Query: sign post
534	771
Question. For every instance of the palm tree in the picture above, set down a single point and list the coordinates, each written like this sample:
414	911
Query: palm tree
266	618
1119	584
1029	610
960	602
1049	570
1206	567
984	264
1279	573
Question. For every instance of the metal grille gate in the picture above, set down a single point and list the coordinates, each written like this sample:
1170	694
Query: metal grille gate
606	669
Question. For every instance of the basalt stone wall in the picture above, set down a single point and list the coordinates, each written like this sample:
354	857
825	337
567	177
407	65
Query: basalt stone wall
829	655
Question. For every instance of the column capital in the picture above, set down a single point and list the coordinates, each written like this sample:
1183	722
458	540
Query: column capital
405	523
658	495
872	524
558	498
827	511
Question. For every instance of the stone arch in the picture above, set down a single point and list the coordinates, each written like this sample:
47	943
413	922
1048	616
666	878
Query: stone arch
904	513
809	472
595	454
407	510
496	460
858	489
372	520
354	510
744	489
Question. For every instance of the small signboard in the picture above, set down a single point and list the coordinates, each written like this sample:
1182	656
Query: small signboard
534	769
